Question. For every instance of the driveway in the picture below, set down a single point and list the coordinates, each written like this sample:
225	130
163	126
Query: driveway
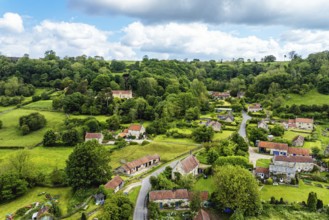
254	156
140	212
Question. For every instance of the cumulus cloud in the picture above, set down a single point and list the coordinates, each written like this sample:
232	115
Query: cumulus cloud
295	13
11	22
67	39
196	40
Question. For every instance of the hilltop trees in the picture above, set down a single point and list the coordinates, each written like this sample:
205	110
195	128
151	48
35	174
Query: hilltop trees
88	165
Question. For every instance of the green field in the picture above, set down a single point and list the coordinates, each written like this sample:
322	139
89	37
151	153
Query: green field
43	159
46	105
166	151
310	98
32	196
263	163
310	145
2	109
205	184
279	212
224	135
165	139
290	135
10	134
294	194
323	135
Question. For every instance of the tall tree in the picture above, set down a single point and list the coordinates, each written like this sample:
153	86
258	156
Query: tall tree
88	165
236	188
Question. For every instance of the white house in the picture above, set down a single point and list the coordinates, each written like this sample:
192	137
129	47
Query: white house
122	94
262	124
289	165
301	123
94	136
189	165
116	184
136	130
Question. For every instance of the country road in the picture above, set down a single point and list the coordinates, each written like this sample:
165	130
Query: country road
242	130
140	212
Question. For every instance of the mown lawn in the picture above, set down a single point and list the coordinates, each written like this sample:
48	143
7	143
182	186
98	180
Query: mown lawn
290	135
311	98
263	163
46	105
310	145
44	159
205	184
2	108
10	134
294	194
164	138
323	135
223	135
32	196
166	151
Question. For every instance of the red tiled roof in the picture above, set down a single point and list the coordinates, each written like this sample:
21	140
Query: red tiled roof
273	145
169	194
118	92
294	159
304	120
138	162
114	183
93	135
262	170
202	215
175	194
135	127
299	151
189	163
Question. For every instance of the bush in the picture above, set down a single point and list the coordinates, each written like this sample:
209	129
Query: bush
145	143
293	181
269	181
32	122
133	143
1	124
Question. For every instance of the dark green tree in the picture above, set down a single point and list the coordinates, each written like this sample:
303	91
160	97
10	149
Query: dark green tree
113	122
83	216
70	137
203	134
1	124
195	201
32	122
257	134
312	201
236	188
88	165
49	138
277	130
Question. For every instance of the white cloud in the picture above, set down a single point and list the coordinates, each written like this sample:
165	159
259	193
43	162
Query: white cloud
196	40
11	22
67	39
294	13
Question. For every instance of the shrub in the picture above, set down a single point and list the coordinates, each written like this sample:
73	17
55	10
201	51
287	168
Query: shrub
133	143
1	124
145	143
32	122
293	181
269	181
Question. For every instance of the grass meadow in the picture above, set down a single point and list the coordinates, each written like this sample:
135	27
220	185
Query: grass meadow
46	105
265	163
311	98
205	184
132	152
294	194
10	134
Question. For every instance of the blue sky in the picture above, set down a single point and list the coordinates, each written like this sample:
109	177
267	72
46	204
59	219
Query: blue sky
164	29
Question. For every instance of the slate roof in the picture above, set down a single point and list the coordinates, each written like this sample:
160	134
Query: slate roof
189	163
294	159
273	145
299	138
114	183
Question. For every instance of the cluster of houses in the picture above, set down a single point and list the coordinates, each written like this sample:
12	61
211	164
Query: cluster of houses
224	95
299	123
286	162
134	130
